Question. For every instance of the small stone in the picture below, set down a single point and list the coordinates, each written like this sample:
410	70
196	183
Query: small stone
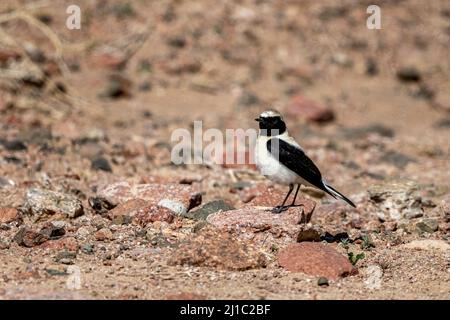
64	243
371	67
256	220
396	158
308	235
176	41
101	163
322	281
217	249
309	110
341	59
117	87
54	272
409	74
154	213
181	198
142	212
316	259
111	61
145	86
103	234
42	203
428	225
100	205
34	53
65	257
396	200
8	215
53	230
209	208
26	237
13	145
248	99
87	248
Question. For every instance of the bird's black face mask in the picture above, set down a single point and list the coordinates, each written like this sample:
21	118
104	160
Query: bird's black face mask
271	126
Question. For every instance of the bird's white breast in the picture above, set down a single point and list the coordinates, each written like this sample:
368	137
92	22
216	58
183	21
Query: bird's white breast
271	168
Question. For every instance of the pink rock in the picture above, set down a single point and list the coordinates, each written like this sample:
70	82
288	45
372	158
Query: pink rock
8	215
264	196
107	61
260	225
67	243
103	235
315	259
175	197
217	249
309	110
142	212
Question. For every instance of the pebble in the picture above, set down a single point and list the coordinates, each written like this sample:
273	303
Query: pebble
309	110
27	237
427	225
409	74
41	203
8	215
316	259
103	234
101	163
209	208
217	249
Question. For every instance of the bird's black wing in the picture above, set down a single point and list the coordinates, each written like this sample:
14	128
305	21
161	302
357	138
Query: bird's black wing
296	160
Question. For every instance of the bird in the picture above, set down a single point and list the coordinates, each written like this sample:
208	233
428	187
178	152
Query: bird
282	160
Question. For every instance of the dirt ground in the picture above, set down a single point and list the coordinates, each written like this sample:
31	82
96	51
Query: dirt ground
83	109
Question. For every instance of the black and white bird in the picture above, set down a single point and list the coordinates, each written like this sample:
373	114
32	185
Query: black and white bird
281	159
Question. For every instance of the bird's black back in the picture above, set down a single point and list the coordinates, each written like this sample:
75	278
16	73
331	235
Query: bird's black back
296	160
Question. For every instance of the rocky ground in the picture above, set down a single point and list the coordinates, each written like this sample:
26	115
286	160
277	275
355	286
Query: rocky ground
91	206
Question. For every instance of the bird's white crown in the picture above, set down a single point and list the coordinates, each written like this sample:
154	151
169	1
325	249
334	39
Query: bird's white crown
270	113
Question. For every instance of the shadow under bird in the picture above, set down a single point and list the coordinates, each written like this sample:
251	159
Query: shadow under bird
281	159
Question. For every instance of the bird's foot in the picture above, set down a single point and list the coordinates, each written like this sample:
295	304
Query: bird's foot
279	209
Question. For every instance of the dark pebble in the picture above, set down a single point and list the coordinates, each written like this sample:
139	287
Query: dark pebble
322	281
13	145
209	208
101	163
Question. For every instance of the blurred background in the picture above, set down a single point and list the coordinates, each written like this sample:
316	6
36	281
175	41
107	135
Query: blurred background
376	101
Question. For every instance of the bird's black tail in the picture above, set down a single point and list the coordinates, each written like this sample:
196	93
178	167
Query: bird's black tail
336	194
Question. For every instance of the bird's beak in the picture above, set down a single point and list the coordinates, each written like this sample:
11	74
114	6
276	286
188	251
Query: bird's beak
258	119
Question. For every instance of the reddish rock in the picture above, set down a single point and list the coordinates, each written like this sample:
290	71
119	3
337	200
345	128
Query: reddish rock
217	249
257	220
66	243
8	54
263	196
8	215
153	213
142	212
27	237
108	61
315	259
103	234
185	296
261	226
309	110
180	66
128	208
177	198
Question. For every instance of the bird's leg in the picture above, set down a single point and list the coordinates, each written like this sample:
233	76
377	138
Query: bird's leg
295	195
279	209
